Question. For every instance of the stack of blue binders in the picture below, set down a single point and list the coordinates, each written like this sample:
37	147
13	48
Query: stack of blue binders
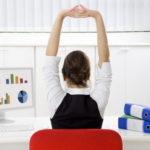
137	118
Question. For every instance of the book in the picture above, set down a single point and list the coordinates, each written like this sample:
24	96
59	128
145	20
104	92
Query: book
138	111
133	123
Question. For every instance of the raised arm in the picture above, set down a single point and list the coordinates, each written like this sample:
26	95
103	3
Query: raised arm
54	39
53	42
103	50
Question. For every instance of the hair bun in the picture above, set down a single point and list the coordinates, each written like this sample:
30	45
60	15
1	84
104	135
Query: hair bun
78	78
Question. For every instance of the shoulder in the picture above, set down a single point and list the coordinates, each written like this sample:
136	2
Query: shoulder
51	60
104	69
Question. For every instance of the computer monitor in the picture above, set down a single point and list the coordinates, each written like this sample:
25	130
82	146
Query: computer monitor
16	89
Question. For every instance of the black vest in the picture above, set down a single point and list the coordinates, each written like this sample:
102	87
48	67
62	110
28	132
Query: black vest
77	112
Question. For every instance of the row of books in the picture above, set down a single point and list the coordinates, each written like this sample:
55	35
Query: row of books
136	117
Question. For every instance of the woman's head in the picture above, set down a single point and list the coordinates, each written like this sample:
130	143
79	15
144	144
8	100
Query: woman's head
76	69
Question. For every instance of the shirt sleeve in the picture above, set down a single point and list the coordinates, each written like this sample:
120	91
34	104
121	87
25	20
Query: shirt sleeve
54	91
102	86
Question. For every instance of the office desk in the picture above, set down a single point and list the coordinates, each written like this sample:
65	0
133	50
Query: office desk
20	140
132	140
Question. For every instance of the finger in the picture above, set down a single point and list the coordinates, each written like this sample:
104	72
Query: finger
82	6
77	8
81	11
74	8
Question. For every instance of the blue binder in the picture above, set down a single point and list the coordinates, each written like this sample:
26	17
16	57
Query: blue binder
139	111
133	123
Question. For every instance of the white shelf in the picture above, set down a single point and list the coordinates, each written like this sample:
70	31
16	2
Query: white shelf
75	39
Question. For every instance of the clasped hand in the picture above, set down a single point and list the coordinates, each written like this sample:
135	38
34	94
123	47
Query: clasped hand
79	11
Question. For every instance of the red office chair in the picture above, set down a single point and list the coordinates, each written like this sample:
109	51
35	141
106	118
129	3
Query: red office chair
76	139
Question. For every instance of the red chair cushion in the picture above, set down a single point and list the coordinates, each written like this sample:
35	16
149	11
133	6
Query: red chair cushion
76	139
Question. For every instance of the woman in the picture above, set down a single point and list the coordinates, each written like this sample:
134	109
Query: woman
78	106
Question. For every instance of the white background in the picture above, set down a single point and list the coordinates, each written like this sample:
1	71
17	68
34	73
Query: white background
39	15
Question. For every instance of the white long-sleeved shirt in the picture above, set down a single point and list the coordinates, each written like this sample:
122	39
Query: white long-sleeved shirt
55	93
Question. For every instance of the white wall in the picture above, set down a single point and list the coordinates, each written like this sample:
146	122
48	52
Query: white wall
39	15
129	55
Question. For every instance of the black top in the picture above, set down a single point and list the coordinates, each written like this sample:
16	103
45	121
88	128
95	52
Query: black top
77	112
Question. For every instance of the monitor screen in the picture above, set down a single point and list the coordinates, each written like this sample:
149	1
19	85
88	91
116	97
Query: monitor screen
15	88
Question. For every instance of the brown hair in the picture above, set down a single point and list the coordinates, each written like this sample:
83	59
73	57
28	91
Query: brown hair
76	68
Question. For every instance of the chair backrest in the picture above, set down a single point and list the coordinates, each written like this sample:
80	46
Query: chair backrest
76	139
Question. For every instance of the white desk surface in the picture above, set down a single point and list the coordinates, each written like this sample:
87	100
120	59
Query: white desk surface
44	123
